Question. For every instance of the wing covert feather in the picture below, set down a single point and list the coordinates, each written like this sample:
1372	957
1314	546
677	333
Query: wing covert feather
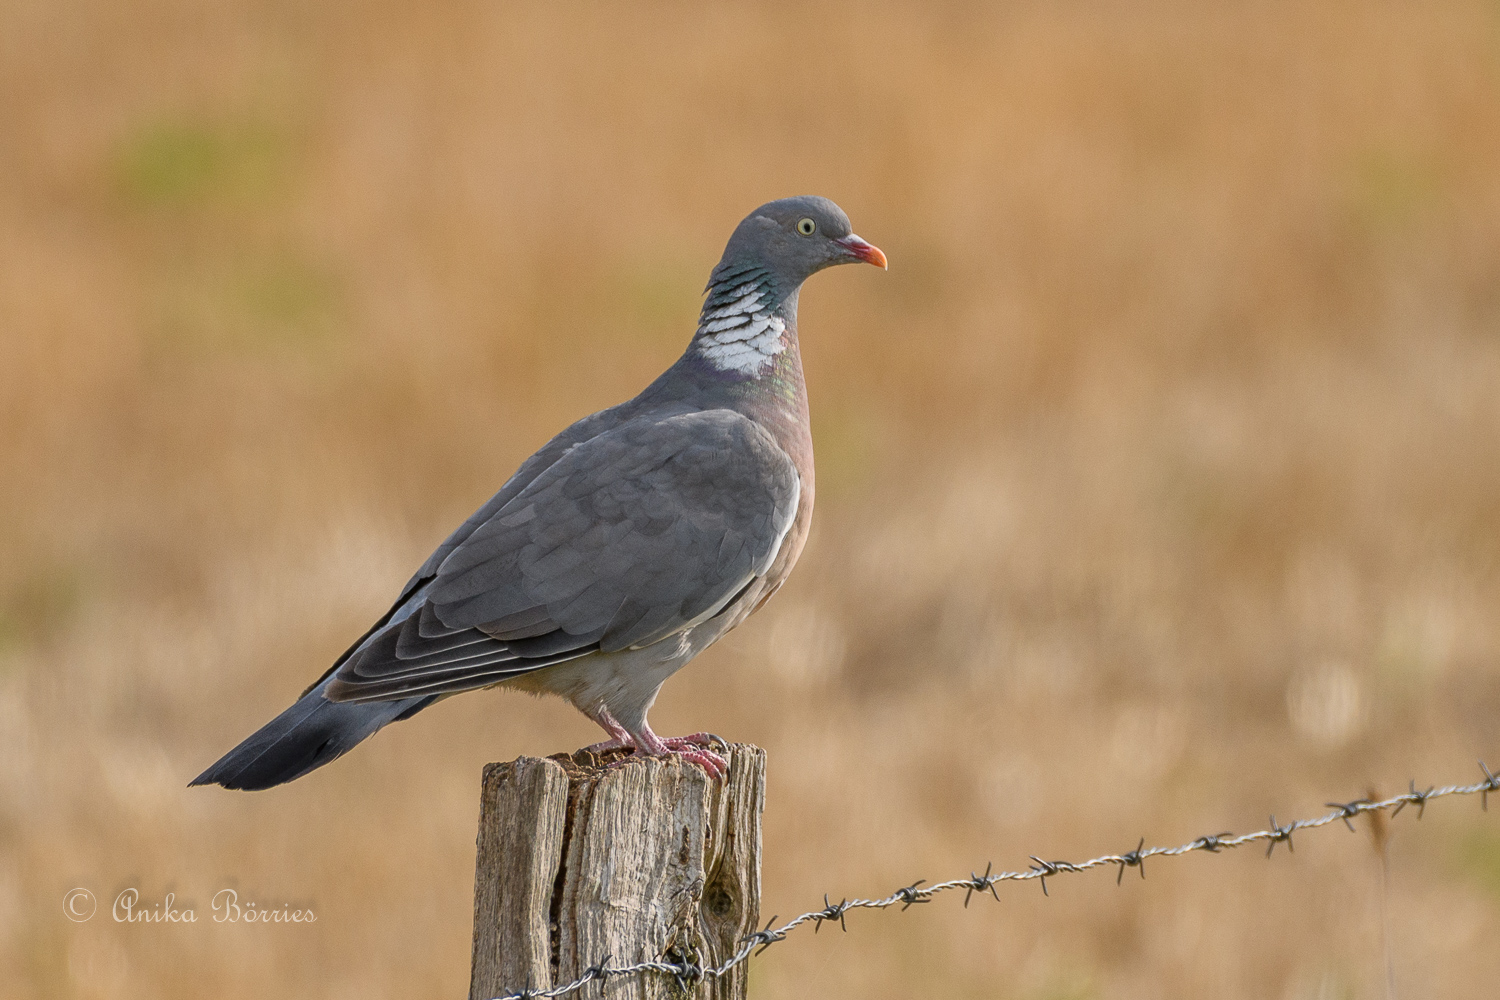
631	535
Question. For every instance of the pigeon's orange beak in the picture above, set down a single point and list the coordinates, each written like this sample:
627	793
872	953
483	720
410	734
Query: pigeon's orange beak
867	252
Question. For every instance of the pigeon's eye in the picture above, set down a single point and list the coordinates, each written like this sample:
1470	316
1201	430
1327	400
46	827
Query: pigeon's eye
806	227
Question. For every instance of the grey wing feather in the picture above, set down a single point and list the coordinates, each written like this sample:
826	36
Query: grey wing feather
627	538
623	536
581	430
534	466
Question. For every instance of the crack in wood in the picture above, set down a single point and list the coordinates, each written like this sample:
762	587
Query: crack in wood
577	860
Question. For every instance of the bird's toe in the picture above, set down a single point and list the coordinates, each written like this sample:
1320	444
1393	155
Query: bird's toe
711	762
697	740
611	744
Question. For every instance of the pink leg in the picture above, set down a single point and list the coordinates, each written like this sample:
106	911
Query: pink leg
618	737
690	748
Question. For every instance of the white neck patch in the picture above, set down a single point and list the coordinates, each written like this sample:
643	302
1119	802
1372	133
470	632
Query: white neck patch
743	335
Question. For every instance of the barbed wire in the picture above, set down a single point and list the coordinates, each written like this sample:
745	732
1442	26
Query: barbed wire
687	971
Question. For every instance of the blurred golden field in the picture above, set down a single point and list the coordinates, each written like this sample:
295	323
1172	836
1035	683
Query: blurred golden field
1159	479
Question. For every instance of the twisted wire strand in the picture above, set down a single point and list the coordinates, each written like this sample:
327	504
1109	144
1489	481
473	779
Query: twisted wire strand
687	972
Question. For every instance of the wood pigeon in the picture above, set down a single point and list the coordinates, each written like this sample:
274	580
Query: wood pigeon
623	548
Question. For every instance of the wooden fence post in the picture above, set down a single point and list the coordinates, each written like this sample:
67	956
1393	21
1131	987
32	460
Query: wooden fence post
577	861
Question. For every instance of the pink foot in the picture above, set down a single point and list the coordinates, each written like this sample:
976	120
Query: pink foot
695	741
711	762
618	737
690	748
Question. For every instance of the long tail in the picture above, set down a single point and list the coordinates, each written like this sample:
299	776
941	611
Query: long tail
308	735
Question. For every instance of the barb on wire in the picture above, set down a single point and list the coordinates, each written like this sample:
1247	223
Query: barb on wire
1282	833
686	969
769	936
911	894
1419	799
1491	784
835	911
1347	810
1132	859
977	883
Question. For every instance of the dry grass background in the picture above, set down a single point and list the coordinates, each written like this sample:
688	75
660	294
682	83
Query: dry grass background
1159	484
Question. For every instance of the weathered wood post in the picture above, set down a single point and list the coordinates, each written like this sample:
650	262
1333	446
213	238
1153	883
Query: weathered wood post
577	861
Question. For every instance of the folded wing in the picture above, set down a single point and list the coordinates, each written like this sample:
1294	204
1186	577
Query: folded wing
627	539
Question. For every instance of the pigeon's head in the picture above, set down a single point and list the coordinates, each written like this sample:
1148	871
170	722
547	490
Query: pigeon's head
797	237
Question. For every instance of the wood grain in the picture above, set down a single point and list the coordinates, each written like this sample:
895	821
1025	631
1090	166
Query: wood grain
577	861
522	813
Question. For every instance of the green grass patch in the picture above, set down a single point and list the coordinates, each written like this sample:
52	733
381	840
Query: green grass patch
185	163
